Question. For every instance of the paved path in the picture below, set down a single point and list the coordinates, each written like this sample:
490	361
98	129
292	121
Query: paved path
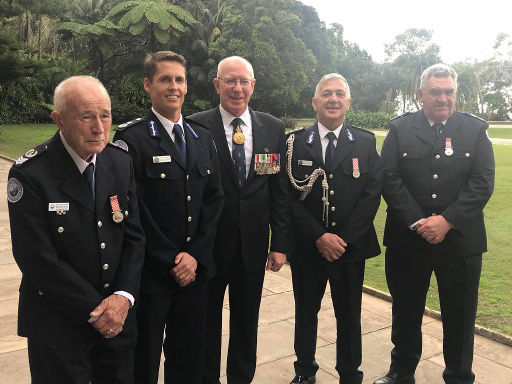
492	362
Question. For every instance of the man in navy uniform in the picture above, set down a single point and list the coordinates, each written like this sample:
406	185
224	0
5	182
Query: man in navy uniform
251	147
438	176
179	186
77	239
335	186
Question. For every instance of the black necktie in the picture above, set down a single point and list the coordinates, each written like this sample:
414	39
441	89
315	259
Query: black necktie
438	129
180	143
329	151
238	154
88	176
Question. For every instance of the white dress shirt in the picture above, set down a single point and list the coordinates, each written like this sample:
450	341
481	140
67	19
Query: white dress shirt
323	131
169	125
246	127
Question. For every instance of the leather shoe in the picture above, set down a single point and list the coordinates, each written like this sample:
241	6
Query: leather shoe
395	378
303	380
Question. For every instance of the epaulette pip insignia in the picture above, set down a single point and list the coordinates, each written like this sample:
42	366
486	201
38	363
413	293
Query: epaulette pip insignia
122	127
31	153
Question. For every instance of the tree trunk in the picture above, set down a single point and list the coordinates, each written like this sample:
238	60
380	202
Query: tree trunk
40	17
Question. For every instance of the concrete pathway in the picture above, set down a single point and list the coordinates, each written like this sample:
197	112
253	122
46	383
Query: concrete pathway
492	360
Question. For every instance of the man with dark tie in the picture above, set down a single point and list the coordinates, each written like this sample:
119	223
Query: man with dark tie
438	175
251	149
77	238
332	226
178	183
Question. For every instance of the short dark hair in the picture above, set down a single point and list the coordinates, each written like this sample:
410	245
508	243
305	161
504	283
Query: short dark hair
153	58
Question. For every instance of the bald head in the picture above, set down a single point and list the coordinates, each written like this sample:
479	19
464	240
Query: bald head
63	96
232	59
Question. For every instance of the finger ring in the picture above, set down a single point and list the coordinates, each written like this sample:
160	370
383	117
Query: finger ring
183	276
110	330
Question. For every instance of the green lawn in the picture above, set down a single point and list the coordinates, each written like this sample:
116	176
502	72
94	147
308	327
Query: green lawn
495	305
500	133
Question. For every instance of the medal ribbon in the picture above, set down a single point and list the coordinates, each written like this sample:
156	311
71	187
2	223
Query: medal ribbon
114	203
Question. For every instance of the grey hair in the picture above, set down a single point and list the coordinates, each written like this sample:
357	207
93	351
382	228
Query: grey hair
438	70
329	77
61	97
236	58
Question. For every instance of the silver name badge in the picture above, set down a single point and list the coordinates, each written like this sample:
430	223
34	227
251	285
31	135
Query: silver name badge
54	207
161	159
306	163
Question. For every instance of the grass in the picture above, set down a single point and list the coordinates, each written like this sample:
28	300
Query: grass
495	304
500	133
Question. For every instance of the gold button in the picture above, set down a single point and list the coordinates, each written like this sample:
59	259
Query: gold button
60	229
433	213
189	198
333	209
331	176
40	293
162	175
437	157
208	171
467	154
434	196
105	266
187	177
189	219
331	192
127	198
106	285
103	245
404	154
126	213
100	223
306	175
333	223
189	239
435	176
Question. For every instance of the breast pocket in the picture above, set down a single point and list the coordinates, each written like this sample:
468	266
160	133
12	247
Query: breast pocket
463	161
205	167
408	158
64	224
161	172
355	170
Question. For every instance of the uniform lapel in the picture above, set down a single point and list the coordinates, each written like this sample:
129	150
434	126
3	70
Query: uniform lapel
192	146
164	140
258	141
423	129
216	127
343	147
314	145
104	180
73	183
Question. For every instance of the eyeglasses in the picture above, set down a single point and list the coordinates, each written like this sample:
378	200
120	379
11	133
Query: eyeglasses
244	83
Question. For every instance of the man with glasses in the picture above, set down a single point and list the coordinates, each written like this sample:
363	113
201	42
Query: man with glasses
438	175
251	148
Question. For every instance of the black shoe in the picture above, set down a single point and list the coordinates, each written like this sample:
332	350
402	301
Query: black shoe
395	378
303	380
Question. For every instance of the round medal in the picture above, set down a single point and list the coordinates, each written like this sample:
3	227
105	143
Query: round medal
238	137
356	173
117	216
448	151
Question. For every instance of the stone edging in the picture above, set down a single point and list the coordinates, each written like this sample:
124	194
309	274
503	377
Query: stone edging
479	330
7	158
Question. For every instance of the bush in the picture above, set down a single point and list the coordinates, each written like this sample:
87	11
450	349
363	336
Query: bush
128	97
22	101
368	120
289	122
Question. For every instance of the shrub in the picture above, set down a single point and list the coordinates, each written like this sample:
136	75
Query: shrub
128	97
368	120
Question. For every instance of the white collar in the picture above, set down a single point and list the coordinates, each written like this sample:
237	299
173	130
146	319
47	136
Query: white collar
227	117
168	124
323	130
80	163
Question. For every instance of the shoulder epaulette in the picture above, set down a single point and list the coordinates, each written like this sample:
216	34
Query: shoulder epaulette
405	114
119	144
31	154
362	130
128	124
296	130
474	116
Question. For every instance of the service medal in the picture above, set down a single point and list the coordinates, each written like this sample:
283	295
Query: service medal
238	136
355	168
117	215
448	150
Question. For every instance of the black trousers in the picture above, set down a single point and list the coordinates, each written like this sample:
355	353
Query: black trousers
244	306
183	314
93	360
346	281
408	273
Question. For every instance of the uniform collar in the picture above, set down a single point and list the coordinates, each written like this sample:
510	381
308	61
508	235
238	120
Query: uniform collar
323	131
80	163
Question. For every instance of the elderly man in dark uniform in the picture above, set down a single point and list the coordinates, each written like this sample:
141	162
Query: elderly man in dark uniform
438	176
336	181
178	182
77	239
251	146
